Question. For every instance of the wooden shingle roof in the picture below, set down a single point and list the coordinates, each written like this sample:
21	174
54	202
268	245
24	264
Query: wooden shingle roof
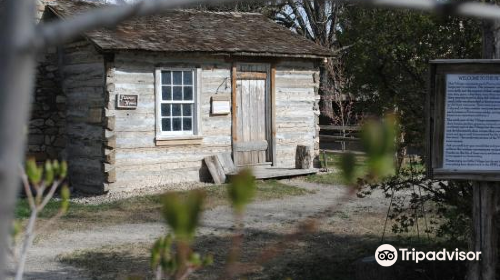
188	31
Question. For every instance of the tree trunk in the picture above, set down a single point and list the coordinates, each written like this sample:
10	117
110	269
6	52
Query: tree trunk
486	195
16	83
325	104
303	157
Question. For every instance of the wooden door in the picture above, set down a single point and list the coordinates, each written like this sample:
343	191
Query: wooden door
250	144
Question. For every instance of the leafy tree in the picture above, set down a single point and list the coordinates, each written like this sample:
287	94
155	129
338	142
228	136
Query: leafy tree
387	62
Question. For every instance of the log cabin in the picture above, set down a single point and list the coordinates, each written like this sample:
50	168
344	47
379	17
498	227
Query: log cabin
143	104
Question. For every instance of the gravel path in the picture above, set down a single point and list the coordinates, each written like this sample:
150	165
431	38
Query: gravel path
267	215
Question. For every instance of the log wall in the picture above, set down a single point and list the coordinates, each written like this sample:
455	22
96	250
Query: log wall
46	137
67	111
115	149
136	159
297	110
83	86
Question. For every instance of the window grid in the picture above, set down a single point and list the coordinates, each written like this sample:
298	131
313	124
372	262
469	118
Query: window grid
177	101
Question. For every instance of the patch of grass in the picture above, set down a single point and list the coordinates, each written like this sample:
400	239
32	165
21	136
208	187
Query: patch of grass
330	178
415	166
333	177
273	189
23	211
341	214
147	208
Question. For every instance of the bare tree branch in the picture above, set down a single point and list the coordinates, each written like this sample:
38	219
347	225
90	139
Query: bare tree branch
334	18
300	20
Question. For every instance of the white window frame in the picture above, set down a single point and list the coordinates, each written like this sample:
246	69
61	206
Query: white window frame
196	120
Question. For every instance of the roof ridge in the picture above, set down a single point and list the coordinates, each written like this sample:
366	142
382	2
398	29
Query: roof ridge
219	12
58	3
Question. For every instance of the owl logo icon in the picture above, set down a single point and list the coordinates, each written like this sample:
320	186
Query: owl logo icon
386	255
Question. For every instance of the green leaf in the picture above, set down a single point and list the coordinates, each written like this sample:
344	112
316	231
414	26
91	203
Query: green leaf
208	260
49	173
161	253
155	254
57	168
241	190
65	194
63	170
195	259
16	229
182	213
378	139
348	167
33	172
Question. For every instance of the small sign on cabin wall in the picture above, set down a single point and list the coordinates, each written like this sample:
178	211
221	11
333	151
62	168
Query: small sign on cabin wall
463	120
221	105
127	101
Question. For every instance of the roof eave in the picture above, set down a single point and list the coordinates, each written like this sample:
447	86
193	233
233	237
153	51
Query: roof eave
222	53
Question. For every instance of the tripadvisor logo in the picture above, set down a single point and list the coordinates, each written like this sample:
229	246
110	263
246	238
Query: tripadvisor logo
387	255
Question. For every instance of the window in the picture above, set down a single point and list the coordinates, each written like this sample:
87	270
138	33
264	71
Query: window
176	102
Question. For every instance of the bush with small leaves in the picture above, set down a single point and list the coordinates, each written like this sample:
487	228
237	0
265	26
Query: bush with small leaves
40	185
378	140
444	208
172	254
241	190
182	215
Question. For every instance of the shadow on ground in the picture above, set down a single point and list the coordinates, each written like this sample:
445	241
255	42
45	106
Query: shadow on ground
316	256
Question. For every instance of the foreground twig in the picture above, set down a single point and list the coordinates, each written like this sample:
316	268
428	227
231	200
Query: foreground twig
38	201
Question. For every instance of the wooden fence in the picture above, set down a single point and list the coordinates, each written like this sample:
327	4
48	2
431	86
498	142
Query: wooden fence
330	135
338	134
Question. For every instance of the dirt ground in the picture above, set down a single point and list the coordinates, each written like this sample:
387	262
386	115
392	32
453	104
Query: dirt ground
351	232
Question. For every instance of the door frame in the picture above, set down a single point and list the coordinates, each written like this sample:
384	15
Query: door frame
270	108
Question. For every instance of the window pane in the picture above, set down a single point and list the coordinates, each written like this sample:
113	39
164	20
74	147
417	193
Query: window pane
188	77
187	110
176	124
165	110
187	124
177	93
176	109
165	124
166	93
177	77
166	78
188	93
